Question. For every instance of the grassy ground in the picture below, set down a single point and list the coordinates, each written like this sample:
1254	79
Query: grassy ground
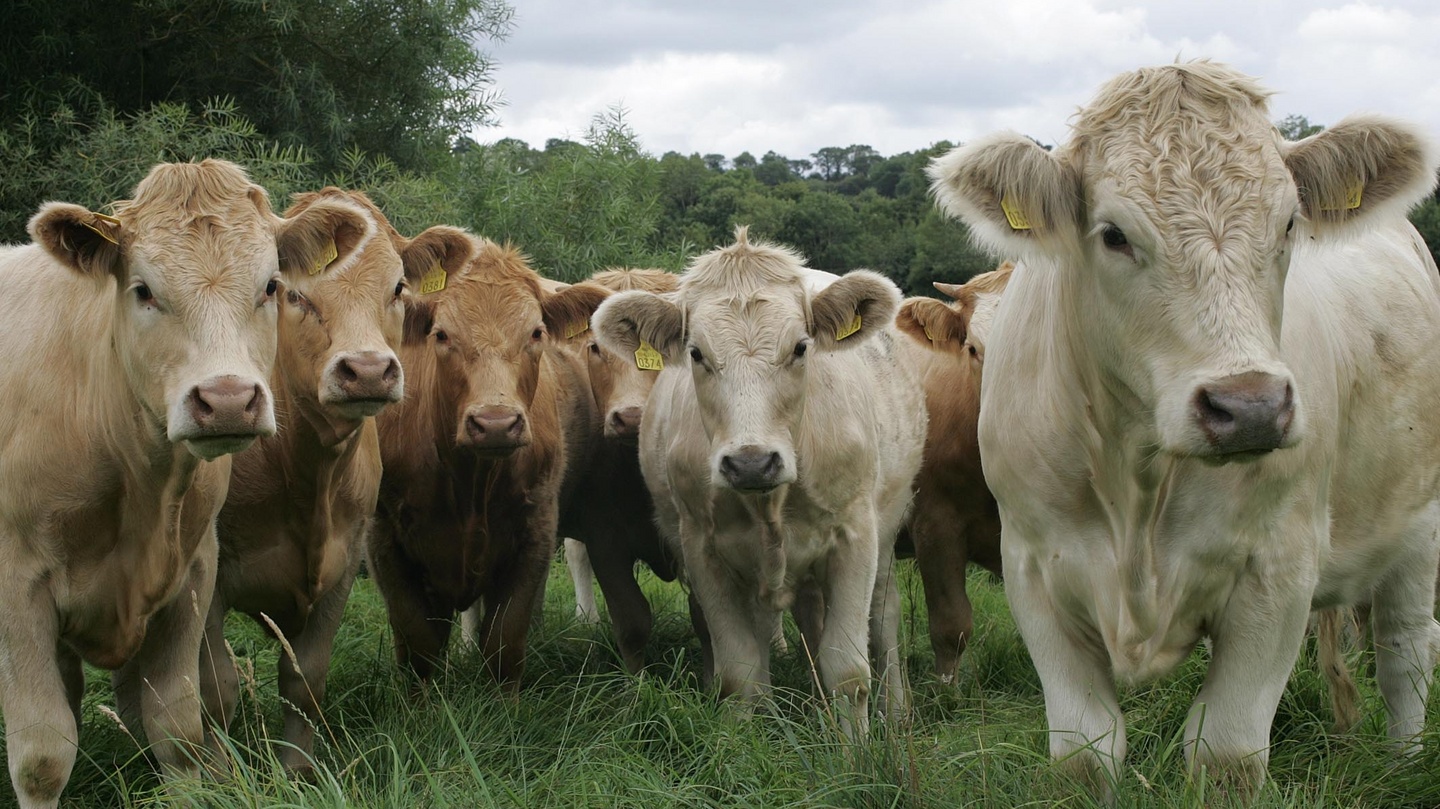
584	734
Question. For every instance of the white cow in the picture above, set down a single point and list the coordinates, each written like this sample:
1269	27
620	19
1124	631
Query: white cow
133	358
1209	402
780	444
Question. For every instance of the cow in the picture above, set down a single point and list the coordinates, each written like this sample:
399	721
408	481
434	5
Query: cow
614	516
779	445
137	348
954	520
292	529
474	456
1209	402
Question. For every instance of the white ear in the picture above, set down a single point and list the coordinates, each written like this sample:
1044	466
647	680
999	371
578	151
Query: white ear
626	319
1363	166
1014	196
846	313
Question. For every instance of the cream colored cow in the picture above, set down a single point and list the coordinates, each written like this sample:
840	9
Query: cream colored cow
779	444
135	351
1209	402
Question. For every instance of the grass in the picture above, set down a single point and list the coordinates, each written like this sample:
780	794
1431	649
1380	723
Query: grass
582	733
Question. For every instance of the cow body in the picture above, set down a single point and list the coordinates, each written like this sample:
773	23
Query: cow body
137	351
475	456
955	520
292	529
1173	459
776	470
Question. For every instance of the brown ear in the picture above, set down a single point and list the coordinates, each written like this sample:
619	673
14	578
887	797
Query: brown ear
419	319
328	233
571	308
442	246
82	240
851	309
931	323
627	318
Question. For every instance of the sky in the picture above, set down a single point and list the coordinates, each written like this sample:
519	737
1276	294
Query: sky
793	76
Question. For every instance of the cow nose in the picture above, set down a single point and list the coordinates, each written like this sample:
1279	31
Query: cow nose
368	375
752	468
495	427
625	422
1249	412
227	405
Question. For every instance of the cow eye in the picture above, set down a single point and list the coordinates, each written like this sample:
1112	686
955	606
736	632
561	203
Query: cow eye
271	287
399	289
1290	226
441	337
595	349
143	294
800	348
1114	238
537	335
973	352
695	355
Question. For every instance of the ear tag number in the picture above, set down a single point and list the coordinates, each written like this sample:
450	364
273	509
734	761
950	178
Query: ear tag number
647	358
849	328
433	280
101	232
576	329
1013	215
325	258
1352	198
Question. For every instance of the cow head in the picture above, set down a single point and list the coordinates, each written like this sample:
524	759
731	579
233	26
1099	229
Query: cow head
960	328
194	263
1169	220
341	319
620	383
487	330
746	329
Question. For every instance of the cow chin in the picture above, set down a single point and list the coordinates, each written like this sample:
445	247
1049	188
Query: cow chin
359	408
212	447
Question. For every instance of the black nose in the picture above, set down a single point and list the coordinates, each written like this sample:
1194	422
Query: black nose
1249	412
752	469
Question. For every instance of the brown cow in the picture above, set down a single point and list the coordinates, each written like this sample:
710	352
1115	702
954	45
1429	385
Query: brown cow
475	455
614	517
136	349
954	520
292	530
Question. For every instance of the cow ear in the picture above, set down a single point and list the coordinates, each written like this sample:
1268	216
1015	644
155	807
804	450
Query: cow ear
568	311
931	323
1013	194
84	241
419	319
1362	165
435	256
327	234
851	309
626	319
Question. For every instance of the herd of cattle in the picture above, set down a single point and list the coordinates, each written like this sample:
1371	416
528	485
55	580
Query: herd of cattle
1209	410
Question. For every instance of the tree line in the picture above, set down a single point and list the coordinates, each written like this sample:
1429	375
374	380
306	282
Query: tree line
377	95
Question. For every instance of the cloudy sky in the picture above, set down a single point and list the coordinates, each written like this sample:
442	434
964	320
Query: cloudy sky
729	76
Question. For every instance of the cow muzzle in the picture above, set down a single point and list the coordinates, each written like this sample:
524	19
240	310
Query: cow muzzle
360	384
754	469
494	430
1244	415
223	414
624	423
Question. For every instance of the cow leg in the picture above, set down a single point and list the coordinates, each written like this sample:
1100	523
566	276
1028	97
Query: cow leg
885	638
421	628
941	555
72	672
1082	712
702	631
629	610
577	559
1406	635
809	612
164	675
509	607
740	640
841	654
40	726
219	680
302	690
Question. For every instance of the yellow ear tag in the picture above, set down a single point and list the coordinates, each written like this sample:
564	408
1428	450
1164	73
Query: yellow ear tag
577	328
325	258
433	280
1013	215
849	328
647	358
104	234
1352	198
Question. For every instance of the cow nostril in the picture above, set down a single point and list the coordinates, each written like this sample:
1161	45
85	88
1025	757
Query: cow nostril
392	371
1210	410
198	403
347	372
256	399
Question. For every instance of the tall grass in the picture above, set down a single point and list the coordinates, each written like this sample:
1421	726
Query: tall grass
582	733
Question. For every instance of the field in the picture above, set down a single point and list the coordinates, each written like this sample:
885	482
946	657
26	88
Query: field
582	733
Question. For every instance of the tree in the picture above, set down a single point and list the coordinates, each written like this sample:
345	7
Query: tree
1297	127
744	160
715	162
396	77
774	169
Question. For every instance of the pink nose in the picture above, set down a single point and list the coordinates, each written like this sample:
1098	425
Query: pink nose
625	422
227	405
495	428
368	375
1249	412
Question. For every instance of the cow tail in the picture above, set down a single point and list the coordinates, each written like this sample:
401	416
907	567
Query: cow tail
1344	696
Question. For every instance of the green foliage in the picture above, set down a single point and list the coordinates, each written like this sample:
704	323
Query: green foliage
1297	127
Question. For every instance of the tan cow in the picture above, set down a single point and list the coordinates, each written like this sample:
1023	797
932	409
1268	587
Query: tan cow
954	520
136	349
292	530
475	455
614	517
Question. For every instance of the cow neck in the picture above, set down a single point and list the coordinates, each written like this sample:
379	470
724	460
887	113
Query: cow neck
311	426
